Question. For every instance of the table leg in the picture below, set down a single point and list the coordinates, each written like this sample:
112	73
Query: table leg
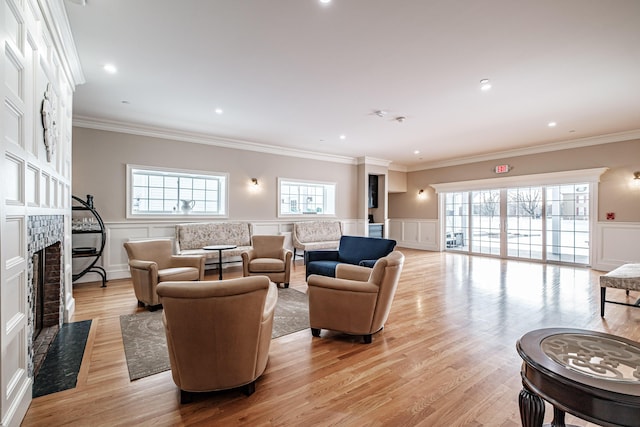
531	409
220	264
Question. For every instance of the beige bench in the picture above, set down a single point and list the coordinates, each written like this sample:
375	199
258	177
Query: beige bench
625	277
312	235
192	237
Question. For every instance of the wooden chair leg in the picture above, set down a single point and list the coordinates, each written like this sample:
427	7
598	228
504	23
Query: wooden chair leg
603	292
315	332
140	303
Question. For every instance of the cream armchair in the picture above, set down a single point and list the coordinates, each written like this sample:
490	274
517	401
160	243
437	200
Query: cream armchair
358	300
268	257
218	332
151	262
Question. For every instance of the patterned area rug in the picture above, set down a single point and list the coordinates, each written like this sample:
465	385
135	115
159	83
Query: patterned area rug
145	344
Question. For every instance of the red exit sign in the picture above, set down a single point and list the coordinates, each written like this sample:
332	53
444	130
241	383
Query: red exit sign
502	168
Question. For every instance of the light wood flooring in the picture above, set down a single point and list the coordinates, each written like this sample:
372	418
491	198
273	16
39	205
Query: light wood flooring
446	356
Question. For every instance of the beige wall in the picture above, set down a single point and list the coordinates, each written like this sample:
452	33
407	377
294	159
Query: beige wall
100	159
616	192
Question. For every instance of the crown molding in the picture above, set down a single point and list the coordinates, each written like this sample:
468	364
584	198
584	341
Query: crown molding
57	21
556	146
373	161
200	138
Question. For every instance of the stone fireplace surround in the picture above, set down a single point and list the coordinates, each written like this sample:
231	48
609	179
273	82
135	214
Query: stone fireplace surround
45	233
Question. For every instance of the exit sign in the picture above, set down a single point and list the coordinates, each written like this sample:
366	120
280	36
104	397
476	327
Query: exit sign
502	168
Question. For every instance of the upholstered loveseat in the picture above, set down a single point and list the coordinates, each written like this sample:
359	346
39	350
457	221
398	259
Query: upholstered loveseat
192	237
313	235
363	251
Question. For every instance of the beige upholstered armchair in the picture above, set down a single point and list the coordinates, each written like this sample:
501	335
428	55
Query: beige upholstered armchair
151	262
358	300
268	257
218	332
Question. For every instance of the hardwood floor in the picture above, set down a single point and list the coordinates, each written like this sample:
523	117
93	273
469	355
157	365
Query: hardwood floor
446	356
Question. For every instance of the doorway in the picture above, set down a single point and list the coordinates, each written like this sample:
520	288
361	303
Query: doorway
542	223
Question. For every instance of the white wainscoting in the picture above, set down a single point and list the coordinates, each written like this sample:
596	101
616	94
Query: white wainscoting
415	233
616	243
115	262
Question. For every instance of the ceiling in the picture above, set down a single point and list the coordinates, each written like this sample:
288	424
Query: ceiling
295	75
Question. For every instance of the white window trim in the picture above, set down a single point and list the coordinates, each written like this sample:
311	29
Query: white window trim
553	178
178	215
308	216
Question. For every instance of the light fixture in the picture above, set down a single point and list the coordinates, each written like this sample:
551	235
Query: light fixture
219	111
636	180
343	137
421	194
110	68
400	119
485	85
325	1
254	186
552	124
636	175
380	113
416	151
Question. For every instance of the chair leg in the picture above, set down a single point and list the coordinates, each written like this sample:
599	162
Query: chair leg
294	253
315	332
154	307
185	396
249	389
140	303
603	292
286	285
367	338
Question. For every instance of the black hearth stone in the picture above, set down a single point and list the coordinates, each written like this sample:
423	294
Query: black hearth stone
60	368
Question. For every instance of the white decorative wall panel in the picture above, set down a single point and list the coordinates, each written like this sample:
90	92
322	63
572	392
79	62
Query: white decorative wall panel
415	233
32	183
12	23
13	301
13	124
616	244
44	190
13	74
13	180
13	244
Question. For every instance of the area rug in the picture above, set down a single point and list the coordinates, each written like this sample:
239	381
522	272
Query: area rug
145	344
59	370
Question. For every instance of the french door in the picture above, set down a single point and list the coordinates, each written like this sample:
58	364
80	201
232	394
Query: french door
545	223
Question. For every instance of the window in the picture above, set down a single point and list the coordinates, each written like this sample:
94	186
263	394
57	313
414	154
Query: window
161	192
306	198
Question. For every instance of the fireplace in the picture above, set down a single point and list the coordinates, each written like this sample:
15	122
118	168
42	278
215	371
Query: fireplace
45	290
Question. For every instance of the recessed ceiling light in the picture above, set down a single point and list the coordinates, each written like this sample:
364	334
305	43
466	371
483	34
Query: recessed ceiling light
219	111
110	68
126	102
485	85
325	1
552	124
416	152
343	136
380	113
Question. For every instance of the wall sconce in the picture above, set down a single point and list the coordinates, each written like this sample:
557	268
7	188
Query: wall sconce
636	179
421	194
254	186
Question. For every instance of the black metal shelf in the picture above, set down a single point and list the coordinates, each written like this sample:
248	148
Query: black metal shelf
91	266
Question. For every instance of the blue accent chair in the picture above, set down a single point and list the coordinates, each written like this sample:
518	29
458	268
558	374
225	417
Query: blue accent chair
364	251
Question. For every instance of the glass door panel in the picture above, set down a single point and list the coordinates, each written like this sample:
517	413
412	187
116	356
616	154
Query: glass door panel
485	222
524	222
567	217
457	221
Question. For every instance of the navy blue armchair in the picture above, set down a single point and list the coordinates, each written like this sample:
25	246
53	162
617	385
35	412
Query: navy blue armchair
364	251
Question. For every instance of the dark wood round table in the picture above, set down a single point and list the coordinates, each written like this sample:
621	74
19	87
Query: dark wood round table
219	248
592	375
